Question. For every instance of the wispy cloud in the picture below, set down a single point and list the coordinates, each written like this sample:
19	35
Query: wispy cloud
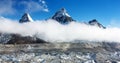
53	31
32	6
13	6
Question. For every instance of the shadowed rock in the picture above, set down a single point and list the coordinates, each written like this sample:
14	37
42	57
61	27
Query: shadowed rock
94	22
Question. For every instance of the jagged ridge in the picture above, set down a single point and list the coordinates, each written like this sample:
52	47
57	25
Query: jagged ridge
94	22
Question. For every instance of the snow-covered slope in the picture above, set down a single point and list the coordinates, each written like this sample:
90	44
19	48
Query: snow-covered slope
94	22
62	16
26	18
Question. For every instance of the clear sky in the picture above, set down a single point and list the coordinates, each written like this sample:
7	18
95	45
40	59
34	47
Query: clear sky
106	12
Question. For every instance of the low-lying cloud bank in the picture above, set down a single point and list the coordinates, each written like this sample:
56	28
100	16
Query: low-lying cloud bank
51	30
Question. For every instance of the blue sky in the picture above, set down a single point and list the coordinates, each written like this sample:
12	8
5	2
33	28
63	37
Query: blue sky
106	12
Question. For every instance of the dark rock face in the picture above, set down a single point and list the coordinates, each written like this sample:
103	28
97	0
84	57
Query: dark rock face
25	18
62	16
4	38
18	39
94	22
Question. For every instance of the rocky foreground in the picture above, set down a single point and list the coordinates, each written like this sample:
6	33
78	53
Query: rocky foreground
83	52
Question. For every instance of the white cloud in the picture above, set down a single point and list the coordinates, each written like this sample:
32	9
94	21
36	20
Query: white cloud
51	30
12	6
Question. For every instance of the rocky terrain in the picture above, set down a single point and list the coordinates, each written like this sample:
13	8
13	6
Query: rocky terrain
62	16
83	52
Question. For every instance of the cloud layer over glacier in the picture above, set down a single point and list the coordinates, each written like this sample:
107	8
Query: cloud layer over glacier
53	31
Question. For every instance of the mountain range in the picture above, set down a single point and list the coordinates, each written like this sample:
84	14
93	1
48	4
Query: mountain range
60	16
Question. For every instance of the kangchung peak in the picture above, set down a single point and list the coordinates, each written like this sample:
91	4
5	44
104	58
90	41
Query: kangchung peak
94	22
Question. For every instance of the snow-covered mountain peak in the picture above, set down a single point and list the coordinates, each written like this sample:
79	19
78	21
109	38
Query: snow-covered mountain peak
26	18
62	16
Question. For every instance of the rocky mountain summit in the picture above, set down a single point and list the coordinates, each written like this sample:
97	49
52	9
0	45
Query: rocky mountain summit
62	16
